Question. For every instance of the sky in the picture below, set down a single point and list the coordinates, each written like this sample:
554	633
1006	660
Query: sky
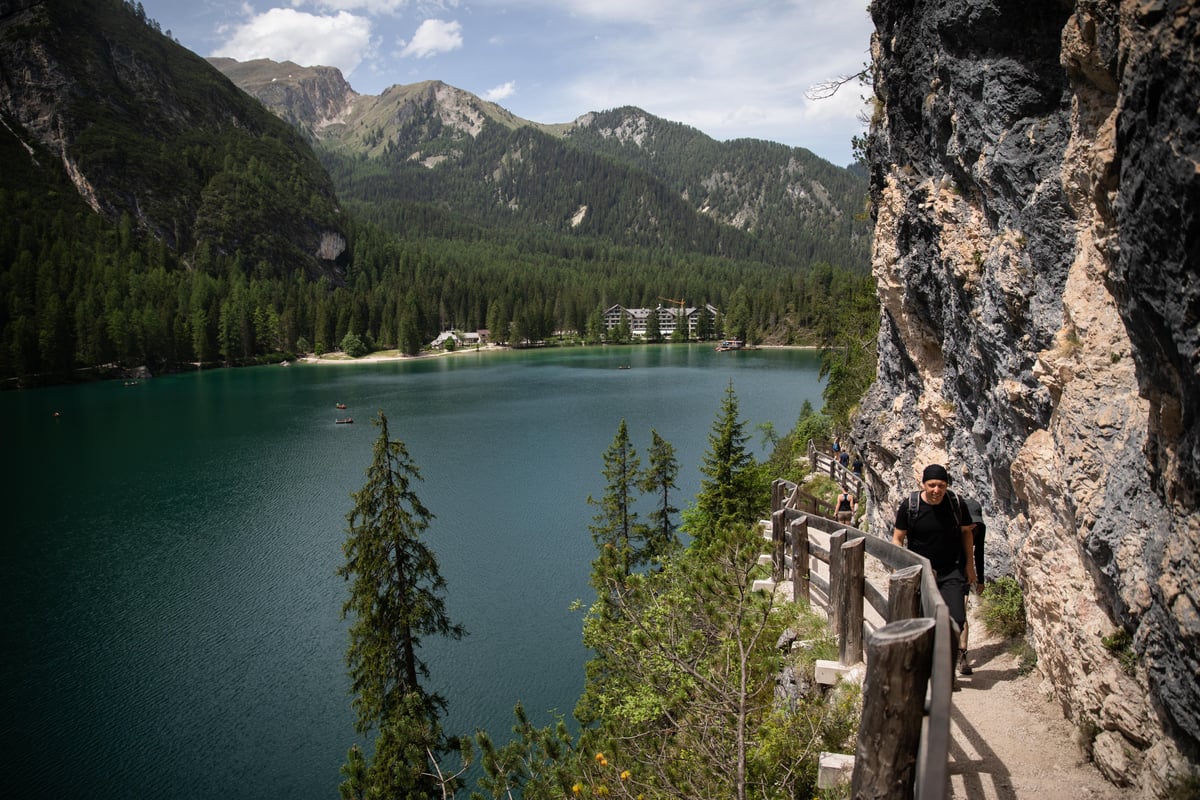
730	68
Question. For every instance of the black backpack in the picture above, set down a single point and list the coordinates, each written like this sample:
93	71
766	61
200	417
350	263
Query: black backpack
914	507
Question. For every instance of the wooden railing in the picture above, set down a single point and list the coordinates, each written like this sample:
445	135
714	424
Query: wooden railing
907	633
825	464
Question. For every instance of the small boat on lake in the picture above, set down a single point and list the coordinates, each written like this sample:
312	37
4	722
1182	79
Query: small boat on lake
346	421
340	406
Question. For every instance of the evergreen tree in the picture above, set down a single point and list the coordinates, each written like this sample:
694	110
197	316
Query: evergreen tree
659	537
728	496
395	599
615	522
653	328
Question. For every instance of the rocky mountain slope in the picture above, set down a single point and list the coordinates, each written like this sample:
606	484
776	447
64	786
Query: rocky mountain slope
145	128
604	174
1035	193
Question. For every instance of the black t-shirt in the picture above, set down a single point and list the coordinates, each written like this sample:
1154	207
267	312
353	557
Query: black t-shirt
935	534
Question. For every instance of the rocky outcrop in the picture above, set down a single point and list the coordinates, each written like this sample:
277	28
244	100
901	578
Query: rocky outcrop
1035	186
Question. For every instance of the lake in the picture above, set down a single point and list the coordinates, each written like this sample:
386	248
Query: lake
169	562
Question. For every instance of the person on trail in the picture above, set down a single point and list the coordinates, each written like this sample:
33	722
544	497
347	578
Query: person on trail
847	504
933	524
857	466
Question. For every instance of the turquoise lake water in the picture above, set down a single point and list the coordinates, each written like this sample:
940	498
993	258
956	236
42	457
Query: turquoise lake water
173	624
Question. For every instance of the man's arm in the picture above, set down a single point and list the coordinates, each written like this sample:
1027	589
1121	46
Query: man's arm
898	537
968	539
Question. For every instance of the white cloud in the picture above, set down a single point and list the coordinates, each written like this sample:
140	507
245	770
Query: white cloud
367	6
498	93
432	37
281	34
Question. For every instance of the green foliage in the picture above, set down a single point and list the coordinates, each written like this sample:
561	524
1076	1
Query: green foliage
679	700
1003	608
353	346
614	524
537	764
732	493
658	480
789	456
395	599
1120	644
847	327
1026	656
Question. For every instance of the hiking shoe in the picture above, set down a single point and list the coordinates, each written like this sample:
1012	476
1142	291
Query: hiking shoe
964	666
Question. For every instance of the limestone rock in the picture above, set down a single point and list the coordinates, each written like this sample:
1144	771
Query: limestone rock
1036	195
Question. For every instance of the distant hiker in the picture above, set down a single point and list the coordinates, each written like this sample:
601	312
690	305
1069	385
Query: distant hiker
847	503
837	448
934	525
857	466
844	459
974	513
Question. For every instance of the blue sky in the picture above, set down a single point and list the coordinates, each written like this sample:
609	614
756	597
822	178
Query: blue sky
731	68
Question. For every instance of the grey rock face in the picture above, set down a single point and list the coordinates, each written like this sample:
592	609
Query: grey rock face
1036	193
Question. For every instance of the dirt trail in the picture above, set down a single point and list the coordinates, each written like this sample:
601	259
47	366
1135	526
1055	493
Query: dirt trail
1008	740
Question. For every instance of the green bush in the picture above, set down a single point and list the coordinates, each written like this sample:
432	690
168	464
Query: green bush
1003	609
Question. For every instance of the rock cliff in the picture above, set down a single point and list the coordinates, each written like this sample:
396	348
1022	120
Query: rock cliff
1035	181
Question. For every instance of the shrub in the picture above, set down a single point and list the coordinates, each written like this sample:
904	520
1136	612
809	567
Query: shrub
1003	609
1120	644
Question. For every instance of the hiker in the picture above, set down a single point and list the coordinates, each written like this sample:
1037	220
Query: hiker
935	526
974	514
857	466
844	459
847	504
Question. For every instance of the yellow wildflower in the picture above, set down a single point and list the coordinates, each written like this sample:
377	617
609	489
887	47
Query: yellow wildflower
625	775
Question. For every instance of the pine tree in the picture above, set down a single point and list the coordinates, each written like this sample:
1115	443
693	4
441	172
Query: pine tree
395	598
615	523
659	537
727	497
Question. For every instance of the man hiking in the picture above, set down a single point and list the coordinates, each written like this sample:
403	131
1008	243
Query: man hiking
933	525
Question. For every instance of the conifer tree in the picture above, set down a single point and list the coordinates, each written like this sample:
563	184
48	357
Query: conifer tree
659	537
396	597
616	521
728	496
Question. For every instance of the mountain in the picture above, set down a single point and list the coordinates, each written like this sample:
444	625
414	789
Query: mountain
143	127
622	175
162	217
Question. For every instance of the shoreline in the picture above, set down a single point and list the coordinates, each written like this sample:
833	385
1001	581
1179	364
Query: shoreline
383	356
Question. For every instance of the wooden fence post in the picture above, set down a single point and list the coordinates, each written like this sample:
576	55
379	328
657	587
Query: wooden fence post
899	659
778	542
800	560
850	645
835	580
904	593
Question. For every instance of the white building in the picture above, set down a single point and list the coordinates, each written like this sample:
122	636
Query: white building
668	319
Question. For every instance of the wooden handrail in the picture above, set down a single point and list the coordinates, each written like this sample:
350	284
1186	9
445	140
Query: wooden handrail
845	592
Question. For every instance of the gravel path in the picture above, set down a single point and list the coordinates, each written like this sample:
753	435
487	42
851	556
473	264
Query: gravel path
1011	742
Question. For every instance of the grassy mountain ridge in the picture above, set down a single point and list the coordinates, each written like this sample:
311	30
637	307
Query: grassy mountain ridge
635	178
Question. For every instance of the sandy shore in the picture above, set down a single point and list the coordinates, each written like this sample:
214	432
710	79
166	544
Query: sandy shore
396	355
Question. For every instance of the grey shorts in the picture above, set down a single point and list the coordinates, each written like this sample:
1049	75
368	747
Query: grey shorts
953	587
